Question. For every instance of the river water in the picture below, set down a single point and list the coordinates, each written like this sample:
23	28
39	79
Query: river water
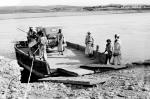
134	31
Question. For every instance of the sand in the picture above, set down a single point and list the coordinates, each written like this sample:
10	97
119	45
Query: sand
132	83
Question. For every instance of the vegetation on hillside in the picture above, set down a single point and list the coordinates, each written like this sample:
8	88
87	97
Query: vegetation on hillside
65	8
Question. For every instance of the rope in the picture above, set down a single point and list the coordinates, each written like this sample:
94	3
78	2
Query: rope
25	96
35	50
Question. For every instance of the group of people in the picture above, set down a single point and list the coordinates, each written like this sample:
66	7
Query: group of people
39	36
113	53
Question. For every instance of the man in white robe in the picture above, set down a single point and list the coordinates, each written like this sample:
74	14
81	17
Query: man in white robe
89	41
42	47
60	40
117	51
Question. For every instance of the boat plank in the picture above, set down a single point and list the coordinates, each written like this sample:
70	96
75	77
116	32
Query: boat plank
75	80
100	66
78	71
146	62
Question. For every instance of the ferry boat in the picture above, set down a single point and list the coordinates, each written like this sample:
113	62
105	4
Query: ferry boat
56	65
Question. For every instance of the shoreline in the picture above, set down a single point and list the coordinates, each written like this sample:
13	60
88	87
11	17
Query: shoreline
134	80
23	15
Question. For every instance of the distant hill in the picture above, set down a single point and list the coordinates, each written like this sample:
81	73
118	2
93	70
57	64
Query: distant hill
65	8
36	9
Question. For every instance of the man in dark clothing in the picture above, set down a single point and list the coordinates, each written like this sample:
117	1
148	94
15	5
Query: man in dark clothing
31	34
109	50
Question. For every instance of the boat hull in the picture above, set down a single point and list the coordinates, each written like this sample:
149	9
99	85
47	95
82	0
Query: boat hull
40	68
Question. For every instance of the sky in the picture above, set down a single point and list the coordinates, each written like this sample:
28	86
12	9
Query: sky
69	2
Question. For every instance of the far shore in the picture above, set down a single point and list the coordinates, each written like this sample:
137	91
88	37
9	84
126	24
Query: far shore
62	14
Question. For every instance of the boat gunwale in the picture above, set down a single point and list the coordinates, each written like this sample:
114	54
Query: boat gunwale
35	72
31	57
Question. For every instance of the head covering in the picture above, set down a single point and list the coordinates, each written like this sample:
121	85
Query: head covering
59	30
108	40
38	29
88	32
116	35
30	27
34	28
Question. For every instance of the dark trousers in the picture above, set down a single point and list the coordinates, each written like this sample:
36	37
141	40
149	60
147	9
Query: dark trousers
108	58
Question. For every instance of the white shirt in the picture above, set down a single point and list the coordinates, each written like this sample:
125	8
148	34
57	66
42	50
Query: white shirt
117	47
43	40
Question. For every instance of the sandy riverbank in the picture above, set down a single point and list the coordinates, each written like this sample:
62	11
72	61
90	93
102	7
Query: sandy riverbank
10	76
124	84
130	83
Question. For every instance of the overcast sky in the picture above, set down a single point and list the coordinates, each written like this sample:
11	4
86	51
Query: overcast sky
69	2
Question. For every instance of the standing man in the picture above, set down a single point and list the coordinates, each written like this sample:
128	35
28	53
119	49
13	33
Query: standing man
31	34
109	50
89	41
117	51
60	40
42	47
31	38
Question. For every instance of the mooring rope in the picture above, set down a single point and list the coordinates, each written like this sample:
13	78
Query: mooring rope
25	96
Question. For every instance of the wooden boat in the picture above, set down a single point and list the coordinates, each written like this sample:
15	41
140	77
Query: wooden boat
56	65
40	68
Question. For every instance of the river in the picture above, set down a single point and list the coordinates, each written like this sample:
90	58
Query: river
133	28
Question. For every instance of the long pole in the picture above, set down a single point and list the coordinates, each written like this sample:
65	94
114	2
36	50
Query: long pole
21	30
25	96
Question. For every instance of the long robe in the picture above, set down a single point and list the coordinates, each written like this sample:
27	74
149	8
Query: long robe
60	39
89	45
117	53
42	48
